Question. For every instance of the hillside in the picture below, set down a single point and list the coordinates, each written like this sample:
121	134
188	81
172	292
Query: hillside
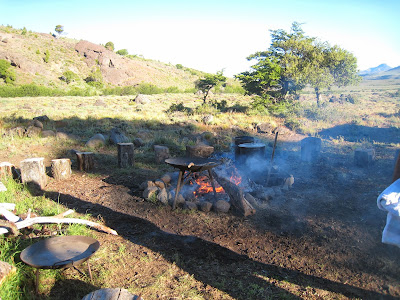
375	70
41	59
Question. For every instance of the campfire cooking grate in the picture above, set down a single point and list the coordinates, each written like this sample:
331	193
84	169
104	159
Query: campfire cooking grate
60	252
189	165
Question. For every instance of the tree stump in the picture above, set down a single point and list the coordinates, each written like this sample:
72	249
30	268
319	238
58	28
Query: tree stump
364	157
85	161
5	270
61	168
33	171
6	169
125	155
310	149
114	294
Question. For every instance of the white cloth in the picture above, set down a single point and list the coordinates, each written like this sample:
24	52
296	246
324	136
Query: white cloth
389	201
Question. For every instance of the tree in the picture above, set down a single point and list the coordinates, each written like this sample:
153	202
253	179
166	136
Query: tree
295	60
109	46
122	52
208	82
59	29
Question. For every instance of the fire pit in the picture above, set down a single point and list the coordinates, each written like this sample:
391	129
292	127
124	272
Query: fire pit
191	165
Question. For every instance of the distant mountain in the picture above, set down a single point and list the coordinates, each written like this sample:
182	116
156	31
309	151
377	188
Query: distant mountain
376	70
391	74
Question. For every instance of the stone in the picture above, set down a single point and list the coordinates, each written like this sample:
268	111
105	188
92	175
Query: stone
208	119
222	206
310	149
116	136
43	119
142	99
364	157
37	123
48	133
190	205
149	192
161	153
200	150
96	141
17	131
160	184
265	128
100	102
32	131
62	135
288	182
206	206
146	184
163	196
166	178
138	142
253	201
180	200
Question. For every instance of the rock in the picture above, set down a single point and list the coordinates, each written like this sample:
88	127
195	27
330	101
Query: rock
32	131
166	178
310	149
208	119
265	128
190	205
364	157
179	201
149	192
138	142
288	182
116	137
2	187
37	123
205	206
47	133
222	206
146	184
96	141
163	196
17	131
142	99
160	184
62	135
161	153
253	201
43	119
200	150
100	102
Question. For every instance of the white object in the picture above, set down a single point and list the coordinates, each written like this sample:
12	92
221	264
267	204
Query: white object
389	201
2	187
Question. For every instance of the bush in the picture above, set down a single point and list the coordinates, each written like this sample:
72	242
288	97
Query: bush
149	89
179	66
122	52
69	76
7	74
95	78
29	90
46	56
178	107
109	46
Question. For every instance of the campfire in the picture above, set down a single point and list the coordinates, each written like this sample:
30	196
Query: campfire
243	181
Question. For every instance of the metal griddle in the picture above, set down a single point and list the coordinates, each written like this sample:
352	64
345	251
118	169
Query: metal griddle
191	165
60	252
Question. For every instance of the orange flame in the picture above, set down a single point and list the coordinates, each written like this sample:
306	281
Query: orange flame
205	186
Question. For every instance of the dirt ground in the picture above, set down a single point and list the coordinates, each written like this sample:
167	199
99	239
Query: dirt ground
319	240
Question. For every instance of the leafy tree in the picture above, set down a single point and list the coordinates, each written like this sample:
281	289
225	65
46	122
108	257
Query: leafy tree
7	74
122	52
95	78
59	29
295	60
69	76
208	82
109	46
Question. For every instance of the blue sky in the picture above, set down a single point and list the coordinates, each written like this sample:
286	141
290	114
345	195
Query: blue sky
212	35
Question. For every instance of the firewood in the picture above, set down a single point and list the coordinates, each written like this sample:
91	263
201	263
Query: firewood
61	168
236	196
46	220
85	161
6	169
34	171
125	155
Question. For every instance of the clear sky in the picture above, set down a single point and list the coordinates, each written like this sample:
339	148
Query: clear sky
211	35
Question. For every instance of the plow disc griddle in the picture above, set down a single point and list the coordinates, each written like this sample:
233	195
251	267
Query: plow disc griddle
60	252
191	165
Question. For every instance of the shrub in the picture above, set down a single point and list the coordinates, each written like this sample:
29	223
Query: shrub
109	46
179	66
29	90
122	52
95	78
178	107
24	31
46	56
69	76
172	89
149	89
7	74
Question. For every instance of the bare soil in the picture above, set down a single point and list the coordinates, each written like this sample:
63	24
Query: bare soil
319	240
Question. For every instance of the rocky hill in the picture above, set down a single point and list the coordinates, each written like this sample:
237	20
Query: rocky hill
42	59
375	70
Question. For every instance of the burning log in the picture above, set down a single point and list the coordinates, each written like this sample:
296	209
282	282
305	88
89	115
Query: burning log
236	196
